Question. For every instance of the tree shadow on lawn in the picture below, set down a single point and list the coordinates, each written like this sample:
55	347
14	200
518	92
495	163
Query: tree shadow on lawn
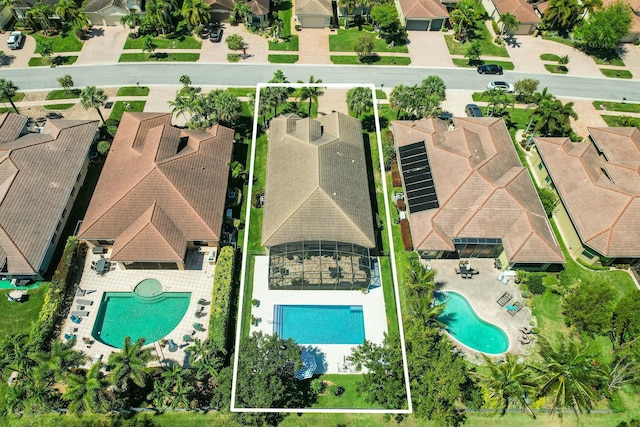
369	123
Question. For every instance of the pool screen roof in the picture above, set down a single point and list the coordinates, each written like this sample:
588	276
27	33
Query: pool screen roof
418	181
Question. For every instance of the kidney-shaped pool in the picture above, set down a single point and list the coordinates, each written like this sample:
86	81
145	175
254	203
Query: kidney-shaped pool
465	326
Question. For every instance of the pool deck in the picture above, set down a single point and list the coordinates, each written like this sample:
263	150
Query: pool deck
331	358
483	292
197	279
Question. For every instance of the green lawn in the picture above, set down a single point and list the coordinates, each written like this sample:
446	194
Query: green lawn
233	57
66	41
481	97
133	91
460	62
562	40
617	106
350	399
345	39
610	61
556	69
285	12
488	47
19	96
57	60
377	60
283	59
380	94
616	74
61	94
19	317
121	106
58	106
162	42
550	57
288	44
614	121
164	57
241	92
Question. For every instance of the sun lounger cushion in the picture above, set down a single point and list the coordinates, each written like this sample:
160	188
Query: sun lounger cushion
84	302
80	313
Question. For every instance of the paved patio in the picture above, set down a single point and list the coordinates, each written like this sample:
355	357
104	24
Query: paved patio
196	279
482	292
332	355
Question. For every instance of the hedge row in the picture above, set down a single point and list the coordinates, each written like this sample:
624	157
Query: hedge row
221	300
42	332
591	267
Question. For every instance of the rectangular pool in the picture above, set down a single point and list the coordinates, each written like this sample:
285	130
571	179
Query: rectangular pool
320	324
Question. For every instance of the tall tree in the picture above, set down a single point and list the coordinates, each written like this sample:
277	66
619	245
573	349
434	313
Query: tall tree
61	359
131	20
562	14
462	17
92	97
241	11
8	91
87	392
196	12
66	82
277	26
66	10
44	47
310	93
359	100
604	28
626	321
498	102
127	365
509	23
40	16
553	118
160	13
434	85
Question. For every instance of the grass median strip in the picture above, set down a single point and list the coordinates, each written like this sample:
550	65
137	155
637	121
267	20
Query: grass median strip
133	91
283	59
616	74
159	57
556	69
182	42
58	106
460	62
57	60
617	106
378	60
61	94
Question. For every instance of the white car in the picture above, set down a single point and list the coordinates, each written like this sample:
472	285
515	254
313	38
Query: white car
507	87
14	40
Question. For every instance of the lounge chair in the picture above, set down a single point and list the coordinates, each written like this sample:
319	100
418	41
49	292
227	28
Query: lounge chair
457	270
203	301
525	339
504	299
199	327
84	302
525	330
187	338
80	292
75	319
80	313
173	347
69	337
515	308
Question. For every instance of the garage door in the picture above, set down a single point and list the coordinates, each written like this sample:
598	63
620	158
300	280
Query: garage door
313	21
414	25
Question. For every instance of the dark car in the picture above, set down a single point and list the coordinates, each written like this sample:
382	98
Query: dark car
216	34
489	69
473	110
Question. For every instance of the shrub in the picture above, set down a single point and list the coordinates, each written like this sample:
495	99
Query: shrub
590	266
336	390
221	299
318	386
103	147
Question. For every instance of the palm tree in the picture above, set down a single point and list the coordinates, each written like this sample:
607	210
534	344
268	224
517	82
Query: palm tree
87	392
131	20
310	93
241	11
196	12
60	359
237	170
183	103
568	375
15	354
359	100
510	381
160	13
589	6
553	118
161	395
434	85
228	107
347	6
80	24
8	91
66	10
92	97
562	13
400	99
66	82
39	15
462	17
277	26
127	365
509	24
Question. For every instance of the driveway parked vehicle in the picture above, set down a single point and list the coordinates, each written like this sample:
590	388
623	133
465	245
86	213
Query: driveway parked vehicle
216	34
490	69
473	110
15	40
507	87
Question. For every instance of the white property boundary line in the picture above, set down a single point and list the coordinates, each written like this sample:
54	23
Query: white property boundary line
391	256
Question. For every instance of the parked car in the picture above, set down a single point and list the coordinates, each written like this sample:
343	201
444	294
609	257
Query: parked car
216	34
507	87
473	110
14	40
489	69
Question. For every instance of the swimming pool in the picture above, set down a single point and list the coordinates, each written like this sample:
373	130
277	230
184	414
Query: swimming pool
465	325
124	314
320	324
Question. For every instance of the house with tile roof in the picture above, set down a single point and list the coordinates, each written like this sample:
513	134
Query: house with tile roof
599	187
313	13
521	9
109	12
162	191
40	176
422	15
467	195
318	222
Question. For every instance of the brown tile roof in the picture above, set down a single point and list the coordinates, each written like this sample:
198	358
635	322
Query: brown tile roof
11	125
317	186
220	4
37	174
522	10
259	7
313	7
482	189
160	188
423	9
601	194
98	5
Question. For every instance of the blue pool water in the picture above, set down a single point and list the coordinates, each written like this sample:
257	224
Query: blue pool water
124	314
320	324
465	325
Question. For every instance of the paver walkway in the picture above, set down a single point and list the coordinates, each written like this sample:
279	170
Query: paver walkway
104	46
313	46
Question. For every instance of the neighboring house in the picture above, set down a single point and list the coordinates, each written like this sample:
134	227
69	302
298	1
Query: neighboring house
599	186
313	13
467	195
220	9
5	17
422	15
523	11
259	12
161	192
109	12
21	7
634	32
317	223
40	176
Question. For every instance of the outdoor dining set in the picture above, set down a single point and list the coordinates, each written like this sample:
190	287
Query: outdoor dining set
466	271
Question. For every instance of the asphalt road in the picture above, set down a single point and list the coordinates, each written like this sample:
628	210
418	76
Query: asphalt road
251	74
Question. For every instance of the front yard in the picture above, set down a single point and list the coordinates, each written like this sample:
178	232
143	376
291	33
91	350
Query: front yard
345	40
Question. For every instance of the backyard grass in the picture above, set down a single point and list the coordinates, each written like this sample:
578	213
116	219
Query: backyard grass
159	57
66	41
282	59
133	91
350	399
242	92
617	106
19	96
56	60
289	43
381	94
556	69
616	74
464	63
58	106
377	60
18	318
121	106
623	121
550	57
345	39
61	94
182	42
488	47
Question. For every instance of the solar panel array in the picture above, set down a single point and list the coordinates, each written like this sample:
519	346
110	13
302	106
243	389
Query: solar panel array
420	191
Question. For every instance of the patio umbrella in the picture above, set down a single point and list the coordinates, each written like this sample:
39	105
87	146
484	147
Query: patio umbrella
16	295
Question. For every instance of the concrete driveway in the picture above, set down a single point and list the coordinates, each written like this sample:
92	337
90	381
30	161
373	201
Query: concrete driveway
18	57
257	46
313	46
428	49
103	46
